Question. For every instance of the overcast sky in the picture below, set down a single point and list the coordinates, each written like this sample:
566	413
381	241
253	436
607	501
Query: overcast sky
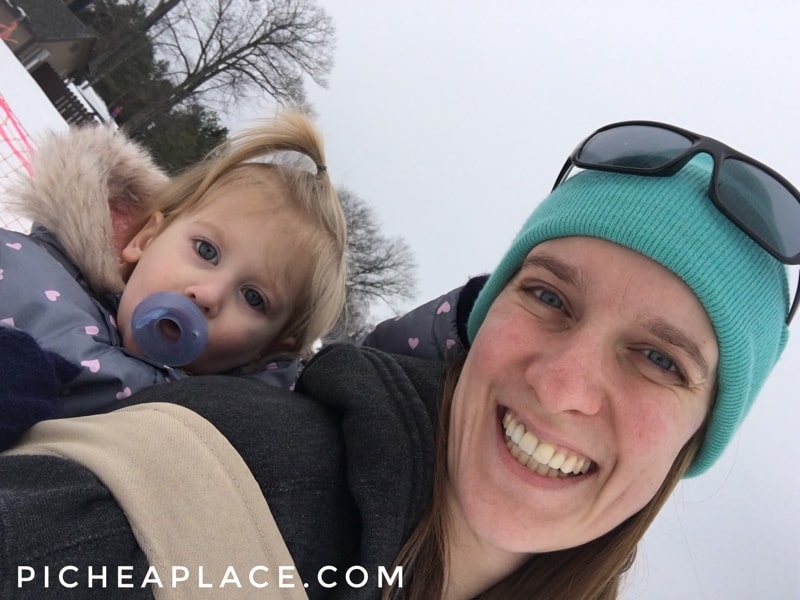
452	120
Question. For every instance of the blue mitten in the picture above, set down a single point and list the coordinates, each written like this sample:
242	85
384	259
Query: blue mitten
30	379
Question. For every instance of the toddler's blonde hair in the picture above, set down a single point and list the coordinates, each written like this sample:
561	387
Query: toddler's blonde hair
295	157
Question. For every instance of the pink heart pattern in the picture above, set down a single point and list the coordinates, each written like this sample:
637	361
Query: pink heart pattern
413	342
93	365
8	321
444	307
52	295
91	329
450	343
126	393
14	246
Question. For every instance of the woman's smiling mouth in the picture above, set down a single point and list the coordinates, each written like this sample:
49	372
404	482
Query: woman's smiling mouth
540	456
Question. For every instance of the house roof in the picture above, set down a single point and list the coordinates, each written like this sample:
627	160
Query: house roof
52	21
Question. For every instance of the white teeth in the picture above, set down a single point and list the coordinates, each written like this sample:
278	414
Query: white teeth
544	452
557	460
542	457
517	434
528	443
569	463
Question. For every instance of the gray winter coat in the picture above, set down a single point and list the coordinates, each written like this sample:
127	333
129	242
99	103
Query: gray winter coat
435	330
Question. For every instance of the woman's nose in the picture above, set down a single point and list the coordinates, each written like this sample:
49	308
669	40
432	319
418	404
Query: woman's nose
571	374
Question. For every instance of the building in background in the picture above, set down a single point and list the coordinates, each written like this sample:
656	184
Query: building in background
54	46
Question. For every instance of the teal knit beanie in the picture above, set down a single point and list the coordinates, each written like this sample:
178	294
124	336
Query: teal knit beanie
672	221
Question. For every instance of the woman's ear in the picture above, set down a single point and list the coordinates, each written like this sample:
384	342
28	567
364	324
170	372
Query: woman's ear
133	251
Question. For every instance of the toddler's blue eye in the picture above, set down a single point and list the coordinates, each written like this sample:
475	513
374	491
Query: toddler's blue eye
205	250
253	298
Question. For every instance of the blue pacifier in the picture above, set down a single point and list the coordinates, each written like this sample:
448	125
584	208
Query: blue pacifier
169	329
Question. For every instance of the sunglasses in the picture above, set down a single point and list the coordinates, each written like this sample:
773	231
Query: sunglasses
757	199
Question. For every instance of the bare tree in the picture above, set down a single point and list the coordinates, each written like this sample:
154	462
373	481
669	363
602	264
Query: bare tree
380	269
111	57
225	50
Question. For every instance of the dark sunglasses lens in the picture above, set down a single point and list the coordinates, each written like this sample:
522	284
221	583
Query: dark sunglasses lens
634	146
762	204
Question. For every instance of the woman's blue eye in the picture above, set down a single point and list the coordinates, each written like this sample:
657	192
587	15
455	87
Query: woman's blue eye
205	250
253	298
662	361
549	298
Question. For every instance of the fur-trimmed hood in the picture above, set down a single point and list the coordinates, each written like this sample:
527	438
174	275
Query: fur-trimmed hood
89	185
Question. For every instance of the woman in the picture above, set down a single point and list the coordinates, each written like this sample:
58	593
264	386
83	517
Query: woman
615	349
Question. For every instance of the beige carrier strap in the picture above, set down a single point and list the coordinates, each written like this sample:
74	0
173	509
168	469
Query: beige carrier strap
193	505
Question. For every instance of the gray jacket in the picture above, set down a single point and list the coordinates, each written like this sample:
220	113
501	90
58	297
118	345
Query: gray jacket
434	330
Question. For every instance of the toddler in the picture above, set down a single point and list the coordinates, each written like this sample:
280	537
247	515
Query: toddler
253	237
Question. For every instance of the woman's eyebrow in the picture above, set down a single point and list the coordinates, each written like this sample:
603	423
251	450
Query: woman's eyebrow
675	337
557	267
